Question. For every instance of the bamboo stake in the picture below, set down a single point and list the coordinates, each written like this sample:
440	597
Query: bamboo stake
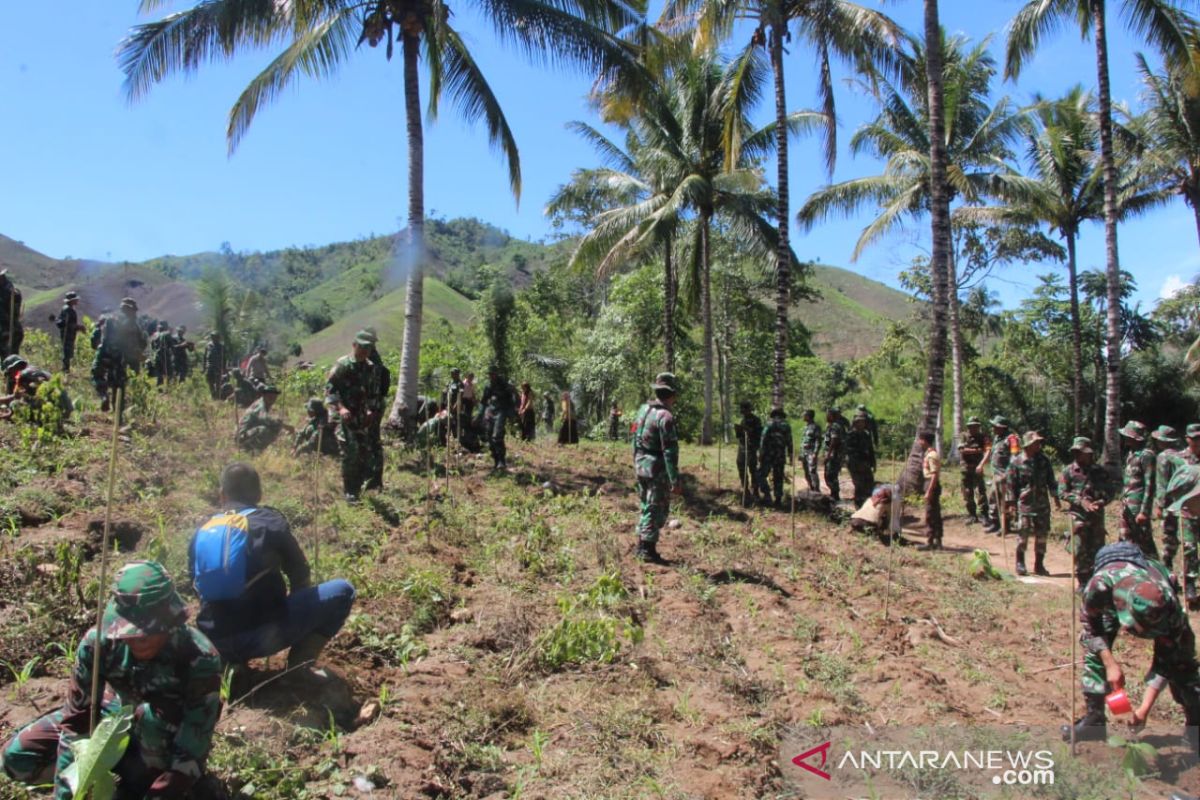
894	530
1000	493
317	501
720	439
793	488
104	540
1074	642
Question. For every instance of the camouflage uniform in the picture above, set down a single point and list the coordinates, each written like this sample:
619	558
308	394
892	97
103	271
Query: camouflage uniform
860	459
749	435
1137	490
354	385
181	365
971	450
10	317
1031	481
162	349
257	429
214	365
120	343
835	439
68	328
499	401
1132	593
774	454
872	424
319	431
1076	484
810	450
1168	459
655	462
1005	445
451	398
175	694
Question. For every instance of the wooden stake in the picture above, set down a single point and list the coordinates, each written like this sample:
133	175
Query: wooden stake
894	527
793	487
1003	500
97	687
1074	641
720	439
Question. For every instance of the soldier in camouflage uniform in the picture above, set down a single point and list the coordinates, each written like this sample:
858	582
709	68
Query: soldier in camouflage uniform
656	464
1084	486
352	394
319	432
69	327
12	332
499	400
1004	445
810	450
860	458
120	343
749	435
151	659
1137	489
835	440
1166	442
971	449
162	349
1132	593
774	454
1188	527
214	364
257	428
872	424
181	365
1031	483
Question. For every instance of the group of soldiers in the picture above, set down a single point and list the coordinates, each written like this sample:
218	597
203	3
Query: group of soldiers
763	452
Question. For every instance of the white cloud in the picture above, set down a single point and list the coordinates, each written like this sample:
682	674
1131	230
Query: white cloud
1171	285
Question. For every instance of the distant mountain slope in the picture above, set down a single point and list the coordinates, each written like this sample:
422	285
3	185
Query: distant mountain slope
853	314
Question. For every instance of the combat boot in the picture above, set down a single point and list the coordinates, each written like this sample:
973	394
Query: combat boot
1039	565
648	552
1021	562
972	520
1092	726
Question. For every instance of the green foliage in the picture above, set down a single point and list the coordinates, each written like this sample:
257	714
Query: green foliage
96	756
981	567
1137	757
591	628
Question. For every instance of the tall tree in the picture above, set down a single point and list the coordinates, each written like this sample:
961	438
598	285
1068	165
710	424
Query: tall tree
1164	24
979	138
831	29
318	36
1172	117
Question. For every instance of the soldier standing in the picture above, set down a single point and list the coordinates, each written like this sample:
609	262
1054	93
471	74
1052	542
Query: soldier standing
214	364
162	346
256	366
614	420
872	425
656	464
12	332
151	658
931	471
1004	445
119	342
180	365
69	327
1137	489
835	438
749	435
971	449
352	394
860	458
1189	527
1132	593
774	454
1030	484
499	398
810	449
1166	444
1083	485
548	411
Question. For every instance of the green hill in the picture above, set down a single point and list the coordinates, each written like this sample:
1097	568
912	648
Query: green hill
853	314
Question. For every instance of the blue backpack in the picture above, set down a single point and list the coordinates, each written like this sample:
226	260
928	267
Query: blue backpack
220	555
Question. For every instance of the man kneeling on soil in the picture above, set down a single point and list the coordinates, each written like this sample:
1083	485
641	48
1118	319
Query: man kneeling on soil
1132	593
874	516
150	658
237	561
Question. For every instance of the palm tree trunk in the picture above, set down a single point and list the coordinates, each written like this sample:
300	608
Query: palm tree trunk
668	307
935	375
1196	213
1112	418
783	275
412	257
1076	336
956	355
706	436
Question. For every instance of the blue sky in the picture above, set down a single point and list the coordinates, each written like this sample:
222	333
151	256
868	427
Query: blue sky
89	176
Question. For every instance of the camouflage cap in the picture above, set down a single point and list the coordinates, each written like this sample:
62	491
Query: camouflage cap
833	410
1140	604
129	302
144	602
1082	444
973	421
665	381
1134	430
1165	434
809	413
13	362
1000	422
162	325
860	415
72	295
1184	485
862	407
1193	430
365	338
1032	437
315	405
455	371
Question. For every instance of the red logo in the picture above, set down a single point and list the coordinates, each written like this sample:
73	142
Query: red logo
823	749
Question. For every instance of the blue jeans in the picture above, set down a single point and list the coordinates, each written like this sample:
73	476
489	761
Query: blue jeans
318	609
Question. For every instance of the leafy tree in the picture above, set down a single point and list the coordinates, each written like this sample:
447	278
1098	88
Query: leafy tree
1165	25
319	35
1172	117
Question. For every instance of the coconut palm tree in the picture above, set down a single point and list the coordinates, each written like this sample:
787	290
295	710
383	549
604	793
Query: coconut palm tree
1172	117
832	30
318	36
1164	24
979	136
672	180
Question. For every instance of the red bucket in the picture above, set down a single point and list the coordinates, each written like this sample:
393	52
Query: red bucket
1118	702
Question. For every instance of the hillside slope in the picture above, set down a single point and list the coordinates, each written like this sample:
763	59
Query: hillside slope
853	313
